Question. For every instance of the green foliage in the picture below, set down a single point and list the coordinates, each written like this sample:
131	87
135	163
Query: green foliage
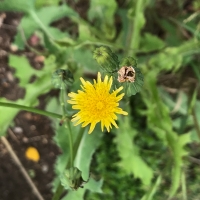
150	42
88	145
143	159
32	90
30	23
110	65
150	194
23	69
18	5
131	160
106	59
102	12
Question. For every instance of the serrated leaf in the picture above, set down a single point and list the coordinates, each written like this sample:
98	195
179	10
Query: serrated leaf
103	11
172	57
178	147
33	90
131	161
151	42
29	25
157	110
24	71
136	14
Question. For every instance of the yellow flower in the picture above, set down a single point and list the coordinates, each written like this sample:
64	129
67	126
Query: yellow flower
96	104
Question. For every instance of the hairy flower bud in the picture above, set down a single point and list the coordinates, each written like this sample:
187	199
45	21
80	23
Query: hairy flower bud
106	59
128	61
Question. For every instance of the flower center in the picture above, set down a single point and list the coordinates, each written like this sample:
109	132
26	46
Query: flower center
99	105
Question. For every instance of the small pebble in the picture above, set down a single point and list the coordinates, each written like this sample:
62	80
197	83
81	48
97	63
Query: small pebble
18	130
44	141
45	168
33	127
25	139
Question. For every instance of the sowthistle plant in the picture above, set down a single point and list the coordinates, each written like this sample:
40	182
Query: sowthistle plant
97	102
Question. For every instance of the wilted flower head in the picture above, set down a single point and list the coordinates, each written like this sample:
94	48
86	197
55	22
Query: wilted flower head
96	104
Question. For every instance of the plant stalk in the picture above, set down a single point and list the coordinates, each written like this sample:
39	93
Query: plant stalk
30	109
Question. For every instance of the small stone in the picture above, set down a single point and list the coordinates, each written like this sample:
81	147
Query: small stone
13	48
18	130
25	139
45	168
33	127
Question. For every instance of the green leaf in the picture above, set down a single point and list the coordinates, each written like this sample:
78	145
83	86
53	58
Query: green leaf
103	12
84	58
41	3
75	195
29	25
33	90
151	42
7	115
172	57
179	152
24	71
151	192
87	147
137	21
157	111
17	5
131	161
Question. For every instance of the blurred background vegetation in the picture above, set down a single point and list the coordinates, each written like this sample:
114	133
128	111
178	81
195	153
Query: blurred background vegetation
154	155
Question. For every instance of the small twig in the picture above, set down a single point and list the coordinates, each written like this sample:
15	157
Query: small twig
171	90
194	160
22	169
178	103
13	136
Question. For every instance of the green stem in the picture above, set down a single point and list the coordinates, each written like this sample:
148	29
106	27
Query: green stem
60	188
70	144
40	23
137	24
183	184
62	100
58	192
30	109
67	124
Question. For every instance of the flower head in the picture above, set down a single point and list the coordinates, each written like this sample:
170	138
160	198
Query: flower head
96	104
